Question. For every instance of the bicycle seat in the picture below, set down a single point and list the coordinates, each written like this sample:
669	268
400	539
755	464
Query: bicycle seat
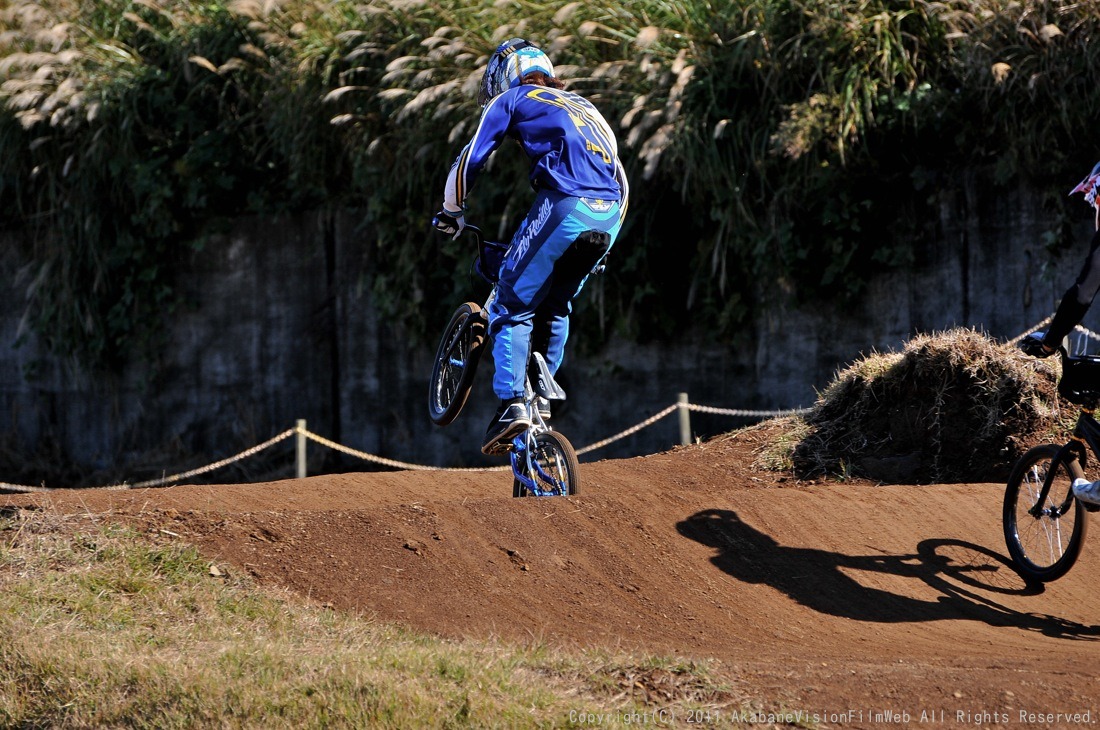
542	381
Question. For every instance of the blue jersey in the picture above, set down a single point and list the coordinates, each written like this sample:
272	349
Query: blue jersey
569	144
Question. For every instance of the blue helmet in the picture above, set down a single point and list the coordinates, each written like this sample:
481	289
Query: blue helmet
1089	186
512	60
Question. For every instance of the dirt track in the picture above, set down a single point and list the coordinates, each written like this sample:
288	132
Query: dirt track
837	599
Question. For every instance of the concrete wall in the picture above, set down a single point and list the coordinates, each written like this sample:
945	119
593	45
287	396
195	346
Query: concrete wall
277	327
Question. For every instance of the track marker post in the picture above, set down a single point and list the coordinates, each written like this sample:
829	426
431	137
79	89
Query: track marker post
685	419
302	440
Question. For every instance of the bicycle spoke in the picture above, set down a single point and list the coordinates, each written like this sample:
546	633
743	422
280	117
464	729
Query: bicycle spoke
455	364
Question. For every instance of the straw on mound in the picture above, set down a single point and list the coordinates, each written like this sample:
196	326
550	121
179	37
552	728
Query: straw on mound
952	407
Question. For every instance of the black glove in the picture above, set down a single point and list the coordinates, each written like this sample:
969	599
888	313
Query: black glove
1033	345
449	223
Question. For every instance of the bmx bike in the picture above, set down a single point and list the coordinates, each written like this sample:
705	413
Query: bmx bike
544	463
1044	524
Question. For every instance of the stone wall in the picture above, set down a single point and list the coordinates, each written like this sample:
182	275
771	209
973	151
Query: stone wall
277	327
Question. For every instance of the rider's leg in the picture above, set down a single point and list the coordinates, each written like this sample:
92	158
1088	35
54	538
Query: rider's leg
550	327
1077	299
551	324
524	282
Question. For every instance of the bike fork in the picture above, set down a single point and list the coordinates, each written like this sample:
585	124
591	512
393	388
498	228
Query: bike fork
526	467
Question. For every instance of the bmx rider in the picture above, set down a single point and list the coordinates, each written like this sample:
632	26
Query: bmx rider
1075	303
580	200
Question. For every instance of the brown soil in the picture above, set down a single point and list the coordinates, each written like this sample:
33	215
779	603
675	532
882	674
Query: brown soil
829	598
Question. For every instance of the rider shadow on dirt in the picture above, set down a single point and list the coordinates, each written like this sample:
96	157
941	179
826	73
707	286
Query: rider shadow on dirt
819	579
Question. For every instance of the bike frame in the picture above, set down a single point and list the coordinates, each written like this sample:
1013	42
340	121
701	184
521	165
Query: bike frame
523	461
1085	438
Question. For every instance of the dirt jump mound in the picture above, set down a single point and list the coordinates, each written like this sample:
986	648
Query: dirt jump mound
951	407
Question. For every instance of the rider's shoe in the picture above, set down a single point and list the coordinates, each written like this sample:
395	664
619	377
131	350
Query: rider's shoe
543	404
1086	491
1035	345
510	420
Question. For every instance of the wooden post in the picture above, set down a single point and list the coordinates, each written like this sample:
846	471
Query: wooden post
301	448
685	419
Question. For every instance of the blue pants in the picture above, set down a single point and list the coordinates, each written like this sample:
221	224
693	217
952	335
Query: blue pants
547	263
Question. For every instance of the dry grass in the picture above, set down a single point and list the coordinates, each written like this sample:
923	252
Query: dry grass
101	626
950	407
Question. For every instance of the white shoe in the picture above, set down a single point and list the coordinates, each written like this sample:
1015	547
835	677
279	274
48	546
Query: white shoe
1087	491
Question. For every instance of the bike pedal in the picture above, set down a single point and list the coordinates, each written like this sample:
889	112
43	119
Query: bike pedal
497	448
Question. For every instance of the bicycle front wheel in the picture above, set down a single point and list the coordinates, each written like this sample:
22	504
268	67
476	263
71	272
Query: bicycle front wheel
455	363
555	468
1044	528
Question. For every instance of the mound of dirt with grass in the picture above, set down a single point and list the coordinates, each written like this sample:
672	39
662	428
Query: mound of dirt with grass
951	407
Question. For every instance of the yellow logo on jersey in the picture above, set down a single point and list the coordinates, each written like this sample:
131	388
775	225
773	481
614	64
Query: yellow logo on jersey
599	205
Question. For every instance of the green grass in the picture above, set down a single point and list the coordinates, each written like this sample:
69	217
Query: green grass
102	626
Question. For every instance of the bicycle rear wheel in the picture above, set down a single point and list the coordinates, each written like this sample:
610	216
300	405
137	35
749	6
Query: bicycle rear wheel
1044	528
455	363
555	469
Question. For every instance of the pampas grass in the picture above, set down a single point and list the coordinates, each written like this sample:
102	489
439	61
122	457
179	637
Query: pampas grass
780	139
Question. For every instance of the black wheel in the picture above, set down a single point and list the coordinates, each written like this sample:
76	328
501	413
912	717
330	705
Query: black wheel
455	363
1044	529
558	468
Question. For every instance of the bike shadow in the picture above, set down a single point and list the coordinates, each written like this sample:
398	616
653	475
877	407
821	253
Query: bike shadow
818	579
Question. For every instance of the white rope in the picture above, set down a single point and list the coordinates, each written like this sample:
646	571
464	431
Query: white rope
749	414
390	462
22	488
5	487
1035	328
632	430
1029	330
210	467
1088	333
170	479
743	413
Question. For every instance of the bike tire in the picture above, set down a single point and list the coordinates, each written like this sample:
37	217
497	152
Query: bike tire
456	361
557	458
1044	548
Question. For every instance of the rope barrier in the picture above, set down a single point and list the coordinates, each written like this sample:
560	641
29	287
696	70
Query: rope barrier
211	467
22	488
300	430
1034	328
748	414
1029	330
1089	333
390	462
632	430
